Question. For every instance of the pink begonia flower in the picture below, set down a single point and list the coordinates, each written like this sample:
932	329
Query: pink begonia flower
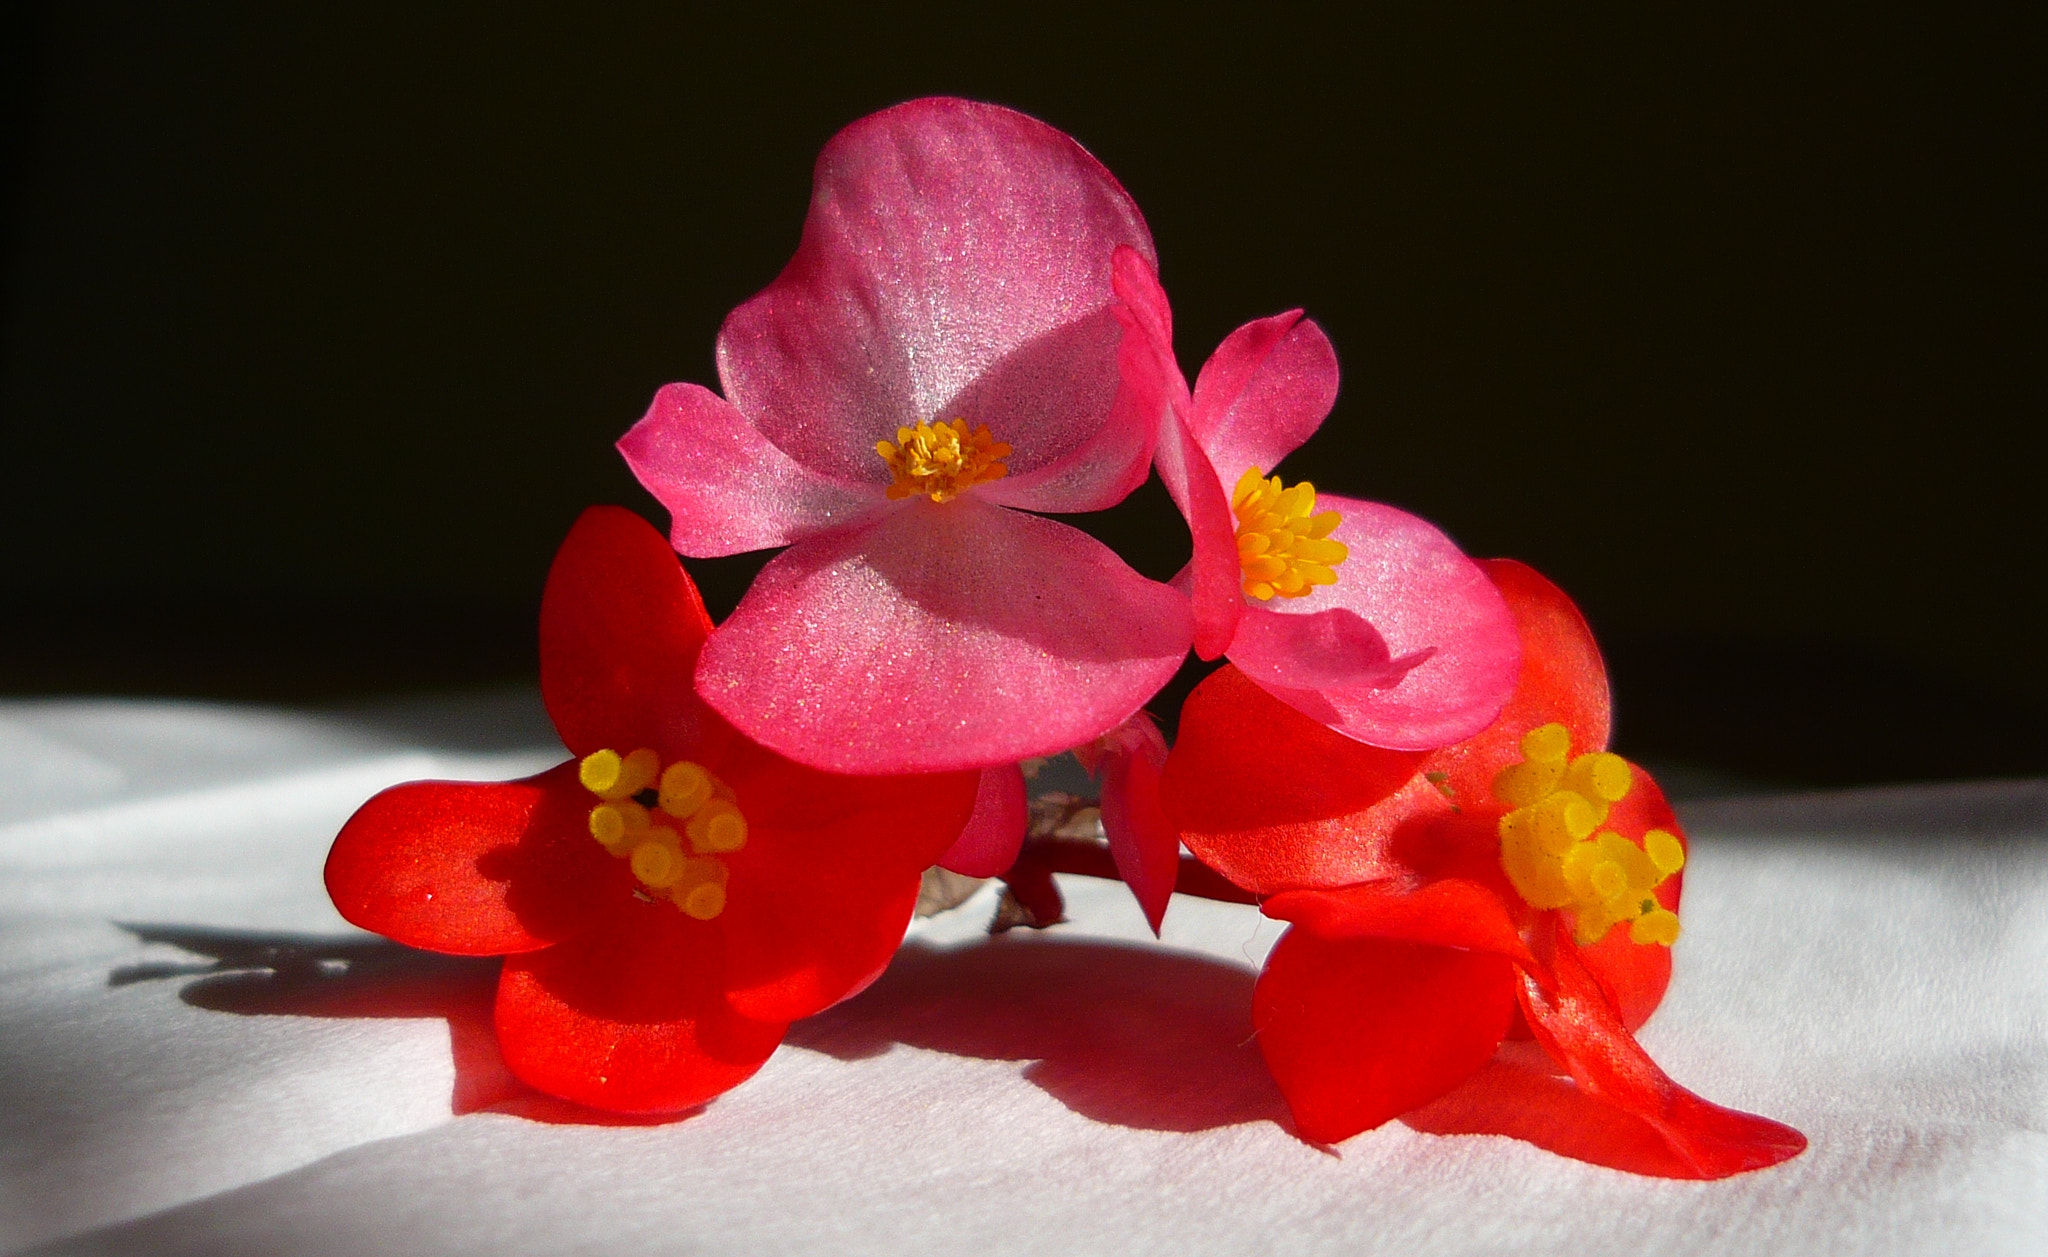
941	349
1355	613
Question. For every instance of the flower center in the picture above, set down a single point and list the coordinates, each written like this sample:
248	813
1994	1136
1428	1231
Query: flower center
942	461
1556	854
1282	544
671	824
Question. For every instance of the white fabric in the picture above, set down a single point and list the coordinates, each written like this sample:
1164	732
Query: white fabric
1868	967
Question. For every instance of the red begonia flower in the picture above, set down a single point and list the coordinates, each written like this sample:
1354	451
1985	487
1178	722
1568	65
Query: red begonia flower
1358	614
670	902
943	348
1522	882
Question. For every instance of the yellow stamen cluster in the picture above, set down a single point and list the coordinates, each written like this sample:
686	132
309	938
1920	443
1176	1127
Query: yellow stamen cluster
942	460
1283	545
670	824
1556	853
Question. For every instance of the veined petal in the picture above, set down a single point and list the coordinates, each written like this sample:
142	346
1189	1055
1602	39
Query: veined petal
620	629
955	264
477	869
1576	1025
1362	1030
1420	593
727	488
1142	839
943	636
1265	390
995	831
629	1017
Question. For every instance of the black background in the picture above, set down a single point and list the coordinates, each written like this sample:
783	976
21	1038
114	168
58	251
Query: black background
320	321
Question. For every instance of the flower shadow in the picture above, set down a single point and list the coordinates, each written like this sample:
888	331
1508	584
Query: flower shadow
1126	1035
256	974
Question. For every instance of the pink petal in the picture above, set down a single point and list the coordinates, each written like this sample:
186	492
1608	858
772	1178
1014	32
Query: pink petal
955	264
942	636
1215	575
995	831
727	488
1143	841
1419	592
1325	650
1263	392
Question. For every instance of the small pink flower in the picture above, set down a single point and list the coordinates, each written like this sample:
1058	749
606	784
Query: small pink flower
941	355
1355	613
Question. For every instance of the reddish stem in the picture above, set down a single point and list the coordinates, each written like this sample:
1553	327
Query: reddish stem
1030	878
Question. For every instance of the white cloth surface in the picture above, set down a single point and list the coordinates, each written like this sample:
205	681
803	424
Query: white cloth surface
1871	967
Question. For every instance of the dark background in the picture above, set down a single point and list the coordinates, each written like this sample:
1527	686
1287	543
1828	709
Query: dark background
319	322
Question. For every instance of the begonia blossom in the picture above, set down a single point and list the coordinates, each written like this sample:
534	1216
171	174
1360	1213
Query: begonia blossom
1524	881
1358	614
672	897
940	357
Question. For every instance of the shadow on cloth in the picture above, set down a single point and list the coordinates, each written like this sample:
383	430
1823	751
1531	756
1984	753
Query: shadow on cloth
1127	1035
1131	1036
296	975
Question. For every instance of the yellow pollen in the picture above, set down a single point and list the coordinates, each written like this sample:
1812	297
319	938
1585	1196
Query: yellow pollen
1556	854
943	460
672	847
1283	543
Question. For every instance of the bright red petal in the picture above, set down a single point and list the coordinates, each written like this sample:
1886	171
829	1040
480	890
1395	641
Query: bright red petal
1265	795
1448	913
628	1018
955	263
620	628
477	869
1562	680
1142	840
1360	1031
989	842
1574	1022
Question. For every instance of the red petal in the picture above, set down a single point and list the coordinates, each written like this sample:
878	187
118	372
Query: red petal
628	1018
1266	795
620	628
1360	1031
1562	679
1448	913
1143	842
1634	975
823	890
1580	1029
477	869
989	842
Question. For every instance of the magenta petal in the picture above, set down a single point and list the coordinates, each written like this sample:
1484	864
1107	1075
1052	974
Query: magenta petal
996	829
1419	592
1263	392
1143	841
727	488
1325	650
942	636
955	264
1215	574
